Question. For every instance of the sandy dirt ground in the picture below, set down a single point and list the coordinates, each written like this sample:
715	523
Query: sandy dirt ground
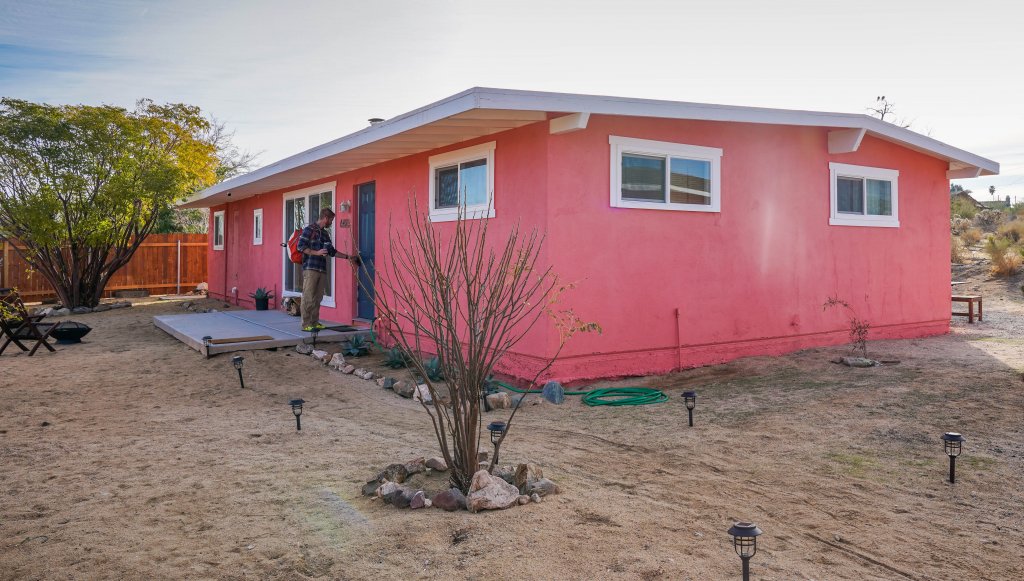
130	456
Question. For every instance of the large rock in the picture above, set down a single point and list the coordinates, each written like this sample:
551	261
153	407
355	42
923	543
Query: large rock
543	487
394	473
321	356
304	348
405	389
363	374
415	466
386	489
80	310
526	474
423	394
419	500
348	369
337	362
506	473
490	493
44	311
371	488
121	305
857	362
402	497
449	500
499	401
60	312
437	464
554	392
101	308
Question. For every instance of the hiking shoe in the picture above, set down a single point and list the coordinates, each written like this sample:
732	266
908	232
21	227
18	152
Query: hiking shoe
319	326
310	329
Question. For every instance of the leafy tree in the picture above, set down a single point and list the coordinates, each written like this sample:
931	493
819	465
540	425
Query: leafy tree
81	186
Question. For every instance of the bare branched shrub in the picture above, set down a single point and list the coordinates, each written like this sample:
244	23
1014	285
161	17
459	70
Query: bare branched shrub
1005	260
971	236
957	252
455	290
989	220
859	328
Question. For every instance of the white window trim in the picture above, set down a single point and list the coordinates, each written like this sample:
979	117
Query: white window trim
620	145
304	192
223	237
257	218
859	171
472	212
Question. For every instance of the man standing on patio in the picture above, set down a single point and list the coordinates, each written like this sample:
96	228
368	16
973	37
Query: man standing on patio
315	245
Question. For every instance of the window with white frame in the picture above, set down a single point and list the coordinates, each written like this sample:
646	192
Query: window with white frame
218	230
462	179
864	196
257	227
659	175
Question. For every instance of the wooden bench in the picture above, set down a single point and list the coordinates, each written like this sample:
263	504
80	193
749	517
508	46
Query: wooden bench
970	300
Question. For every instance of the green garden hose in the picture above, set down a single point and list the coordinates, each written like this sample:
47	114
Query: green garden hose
616	396
612	396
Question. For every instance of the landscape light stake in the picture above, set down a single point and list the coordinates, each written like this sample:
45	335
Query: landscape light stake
297	410
690	397
744	540
953	442
497	430
237	361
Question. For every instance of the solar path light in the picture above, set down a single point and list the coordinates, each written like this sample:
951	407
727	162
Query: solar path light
744	540
497	430
237	361
953	441
297	410
690	399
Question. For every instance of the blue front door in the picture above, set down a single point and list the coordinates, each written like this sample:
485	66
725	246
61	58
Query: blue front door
367	212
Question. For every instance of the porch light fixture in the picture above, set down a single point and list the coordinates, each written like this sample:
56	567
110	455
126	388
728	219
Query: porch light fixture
345	206
953	442
744	541
297	410
497	430
237	361
690	398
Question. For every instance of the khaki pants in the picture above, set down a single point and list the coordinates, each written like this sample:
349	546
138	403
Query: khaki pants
314	283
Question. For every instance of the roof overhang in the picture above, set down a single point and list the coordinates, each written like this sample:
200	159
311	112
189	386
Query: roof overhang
482	111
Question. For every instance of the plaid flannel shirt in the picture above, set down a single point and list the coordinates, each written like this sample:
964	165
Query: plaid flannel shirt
314	237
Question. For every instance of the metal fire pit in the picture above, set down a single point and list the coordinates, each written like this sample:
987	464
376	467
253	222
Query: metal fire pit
70	332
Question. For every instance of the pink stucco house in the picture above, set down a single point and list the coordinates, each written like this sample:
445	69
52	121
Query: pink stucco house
697	233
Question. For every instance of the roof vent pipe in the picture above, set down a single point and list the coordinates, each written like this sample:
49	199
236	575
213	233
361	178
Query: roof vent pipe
376	121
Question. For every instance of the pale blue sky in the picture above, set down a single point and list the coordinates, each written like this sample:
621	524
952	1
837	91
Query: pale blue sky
290	75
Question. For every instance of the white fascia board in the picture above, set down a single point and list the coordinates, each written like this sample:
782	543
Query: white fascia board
530	100
508	99
453	105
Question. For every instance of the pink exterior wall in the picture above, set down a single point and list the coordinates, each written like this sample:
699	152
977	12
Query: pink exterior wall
749	280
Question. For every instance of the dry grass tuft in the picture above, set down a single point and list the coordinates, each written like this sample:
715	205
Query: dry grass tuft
957	252
1014	230
1005	259
971	236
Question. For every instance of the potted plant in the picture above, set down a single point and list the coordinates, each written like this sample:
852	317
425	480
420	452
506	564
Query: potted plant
262	298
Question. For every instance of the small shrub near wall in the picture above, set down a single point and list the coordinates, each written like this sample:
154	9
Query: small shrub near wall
957	252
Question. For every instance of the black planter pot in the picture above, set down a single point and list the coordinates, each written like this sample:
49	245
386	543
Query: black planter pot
70	332
262	304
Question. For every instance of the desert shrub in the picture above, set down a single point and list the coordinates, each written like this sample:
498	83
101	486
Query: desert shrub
1005	261
962	208
971	236
989	220
957	251
959	224
859	328
1014	230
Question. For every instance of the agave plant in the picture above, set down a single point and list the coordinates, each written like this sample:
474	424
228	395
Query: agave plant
396	358
357	347
433	368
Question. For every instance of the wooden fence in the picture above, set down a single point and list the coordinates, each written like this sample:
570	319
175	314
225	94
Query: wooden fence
163	264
